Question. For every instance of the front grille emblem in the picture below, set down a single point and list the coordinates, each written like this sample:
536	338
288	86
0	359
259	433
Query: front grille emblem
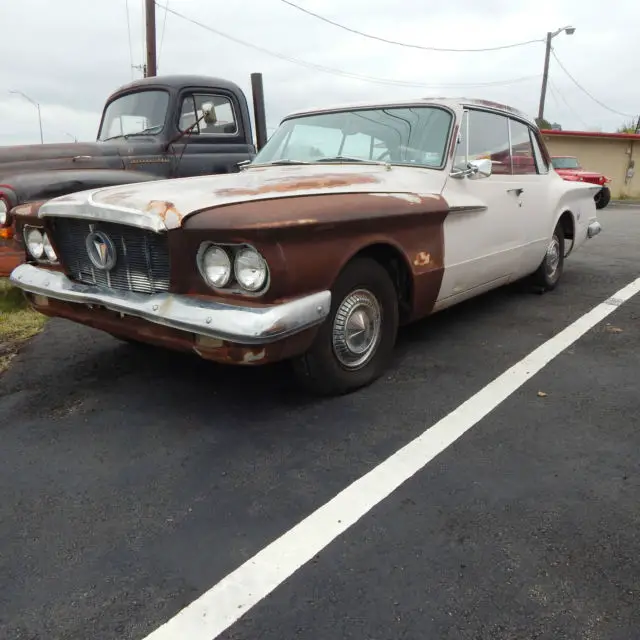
101	250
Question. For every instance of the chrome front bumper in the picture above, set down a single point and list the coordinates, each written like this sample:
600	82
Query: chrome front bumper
594	229
225	321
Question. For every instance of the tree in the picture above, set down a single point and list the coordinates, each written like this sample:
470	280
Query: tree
545	124
630	126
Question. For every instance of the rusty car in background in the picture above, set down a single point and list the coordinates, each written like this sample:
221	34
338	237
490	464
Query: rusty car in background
350	222
152	128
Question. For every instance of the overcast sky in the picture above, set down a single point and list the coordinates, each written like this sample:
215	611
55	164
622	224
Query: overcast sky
70	54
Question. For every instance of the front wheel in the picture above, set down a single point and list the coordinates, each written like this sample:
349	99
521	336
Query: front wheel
550	270
355	344
602	198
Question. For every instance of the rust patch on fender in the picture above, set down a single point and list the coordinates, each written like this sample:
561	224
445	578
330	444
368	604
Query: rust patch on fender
164	210
286	185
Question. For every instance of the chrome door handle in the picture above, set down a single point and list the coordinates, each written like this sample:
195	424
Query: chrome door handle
518	191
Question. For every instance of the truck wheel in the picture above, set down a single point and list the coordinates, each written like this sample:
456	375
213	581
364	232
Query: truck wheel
355	344
550	270
602	198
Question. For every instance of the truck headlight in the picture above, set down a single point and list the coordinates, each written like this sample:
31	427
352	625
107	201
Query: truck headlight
215	266
250	269
4	212
34	240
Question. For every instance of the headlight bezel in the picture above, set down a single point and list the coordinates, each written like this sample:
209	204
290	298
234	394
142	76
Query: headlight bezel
43	257
233	285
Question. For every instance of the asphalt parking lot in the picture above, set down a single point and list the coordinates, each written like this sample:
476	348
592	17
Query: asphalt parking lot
135	480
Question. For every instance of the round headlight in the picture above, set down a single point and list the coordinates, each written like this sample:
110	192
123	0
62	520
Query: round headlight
250	269
216	266
48	249
35	242
4	211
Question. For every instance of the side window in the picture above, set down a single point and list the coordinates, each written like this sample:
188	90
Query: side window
488	137
218	117
521	149
543	167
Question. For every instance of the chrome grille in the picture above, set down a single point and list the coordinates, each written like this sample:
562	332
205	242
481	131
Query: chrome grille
142	263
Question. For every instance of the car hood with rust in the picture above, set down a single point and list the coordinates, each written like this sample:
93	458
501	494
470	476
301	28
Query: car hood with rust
165	204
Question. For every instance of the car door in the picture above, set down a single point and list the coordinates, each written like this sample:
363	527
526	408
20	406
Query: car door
481	232
535	205
213	142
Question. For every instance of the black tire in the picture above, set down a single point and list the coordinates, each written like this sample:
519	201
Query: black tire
602	198
323	370
546	278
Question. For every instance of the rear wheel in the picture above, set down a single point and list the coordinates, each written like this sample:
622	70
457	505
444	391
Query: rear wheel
355	344
602	198
550	270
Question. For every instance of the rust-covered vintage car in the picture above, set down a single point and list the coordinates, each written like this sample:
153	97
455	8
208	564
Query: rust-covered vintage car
349	222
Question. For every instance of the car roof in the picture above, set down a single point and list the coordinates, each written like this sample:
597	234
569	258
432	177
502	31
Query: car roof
451	103
176	81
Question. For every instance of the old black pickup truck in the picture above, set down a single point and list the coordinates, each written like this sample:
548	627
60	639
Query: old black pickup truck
154	128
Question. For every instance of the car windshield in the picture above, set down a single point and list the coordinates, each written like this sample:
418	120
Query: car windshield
139	113
565	163
403	135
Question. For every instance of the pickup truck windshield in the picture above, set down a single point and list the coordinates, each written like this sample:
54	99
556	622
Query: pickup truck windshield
565	163
397	135
135	113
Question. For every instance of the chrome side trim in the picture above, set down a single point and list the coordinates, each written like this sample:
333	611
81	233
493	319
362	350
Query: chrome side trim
594	229
225	321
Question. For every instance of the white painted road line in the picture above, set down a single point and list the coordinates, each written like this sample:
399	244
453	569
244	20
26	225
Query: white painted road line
226	602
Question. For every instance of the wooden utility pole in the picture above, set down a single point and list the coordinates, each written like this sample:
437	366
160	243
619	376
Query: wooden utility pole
545	76
150	12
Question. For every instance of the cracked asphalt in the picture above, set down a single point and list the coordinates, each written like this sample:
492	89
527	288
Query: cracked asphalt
133	479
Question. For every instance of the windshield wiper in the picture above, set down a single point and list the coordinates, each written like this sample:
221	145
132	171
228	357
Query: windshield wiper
145	132
287	161
349	159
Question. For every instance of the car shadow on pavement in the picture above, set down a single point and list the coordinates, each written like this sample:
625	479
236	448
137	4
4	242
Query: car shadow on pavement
67	363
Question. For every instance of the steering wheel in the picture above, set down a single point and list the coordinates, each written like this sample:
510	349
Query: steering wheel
383	154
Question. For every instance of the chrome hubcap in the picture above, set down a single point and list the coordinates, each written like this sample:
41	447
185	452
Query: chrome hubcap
357	329
553	256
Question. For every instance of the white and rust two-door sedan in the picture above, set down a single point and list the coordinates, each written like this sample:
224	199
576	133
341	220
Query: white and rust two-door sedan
349	222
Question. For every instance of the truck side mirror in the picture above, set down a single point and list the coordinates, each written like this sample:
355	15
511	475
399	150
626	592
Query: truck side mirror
209	113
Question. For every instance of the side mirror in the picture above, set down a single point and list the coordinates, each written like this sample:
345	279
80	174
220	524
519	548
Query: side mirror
475	169
480	168
209	113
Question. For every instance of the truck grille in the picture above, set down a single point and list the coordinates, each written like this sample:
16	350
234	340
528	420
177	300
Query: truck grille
142	263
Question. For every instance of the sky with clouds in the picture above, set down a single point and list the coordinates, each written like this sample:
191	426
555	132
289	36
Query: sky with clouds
70	55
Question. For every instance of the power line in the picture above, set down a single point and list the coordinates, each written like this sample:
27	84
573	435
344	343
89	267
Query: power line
405	44
164	26
348	74
557	94
604	106
126	4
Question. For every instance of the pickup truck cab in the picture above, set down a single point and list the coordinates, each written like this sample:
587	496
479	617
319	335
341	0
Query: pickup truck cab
153	128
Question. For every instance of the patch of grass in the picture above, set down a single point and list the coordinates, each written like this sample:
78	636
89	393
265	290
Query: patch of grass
18	322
